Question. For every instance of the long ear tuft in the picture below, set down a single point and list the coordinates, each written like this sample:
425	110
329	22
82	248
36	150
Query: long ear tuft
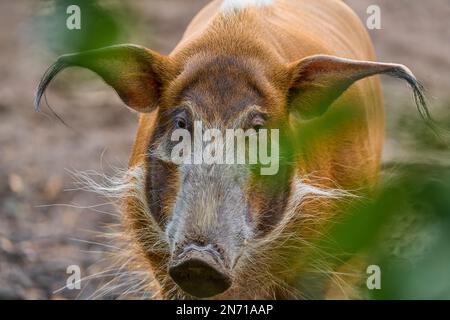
403	73
136	73
319	80
48	76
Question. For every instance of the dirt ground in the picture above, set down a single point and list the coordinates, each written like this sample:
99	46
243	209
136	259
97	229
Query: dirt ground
44	228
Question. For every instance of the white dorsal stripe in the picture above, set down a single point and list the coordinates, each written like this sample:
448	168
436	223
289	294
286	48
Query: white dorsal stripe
233	5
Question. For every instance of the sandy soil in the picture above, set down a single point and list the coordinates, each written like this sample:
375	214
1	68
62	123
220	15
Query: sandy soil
41	231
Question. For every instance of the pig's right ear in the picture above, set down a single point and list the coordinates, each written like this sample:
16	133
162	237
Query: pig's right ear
136	73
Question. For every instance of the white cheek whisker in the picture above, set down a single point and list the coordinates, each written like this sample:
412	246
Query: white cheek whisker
284	241
133	277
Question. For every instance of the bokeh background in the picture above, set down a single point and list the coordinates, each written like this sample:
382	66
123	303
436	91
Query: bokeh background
45	225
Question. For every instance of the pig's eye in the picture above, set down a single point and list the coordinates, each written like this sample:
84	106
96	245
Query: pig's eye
180	123
180	120
258	127
258	120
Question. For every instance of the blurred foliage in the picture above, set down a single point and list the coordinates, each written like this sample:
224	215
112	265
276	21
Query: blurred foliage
405	230
418	265
404	225
100	26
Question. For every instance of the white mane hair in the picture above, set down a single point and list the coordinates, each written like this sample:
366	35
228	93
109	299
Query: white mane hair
236	5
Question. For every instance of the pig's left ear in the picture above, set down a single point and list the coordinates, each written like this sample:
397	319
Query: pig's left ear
136	73
317	81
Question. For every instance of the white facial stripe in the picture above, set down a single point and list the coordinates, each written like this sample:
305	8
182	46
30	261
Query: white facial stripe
234	5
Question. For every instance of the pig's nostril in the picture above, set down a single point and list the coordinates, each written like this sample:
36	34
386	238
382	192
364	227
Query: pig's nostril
200	275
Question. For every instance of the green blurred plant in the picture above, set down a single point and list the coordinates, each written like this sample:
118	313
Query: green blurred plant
100	26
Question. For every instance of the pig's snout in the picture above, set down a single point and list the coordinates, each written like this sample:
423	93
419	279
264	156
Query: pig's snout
200	271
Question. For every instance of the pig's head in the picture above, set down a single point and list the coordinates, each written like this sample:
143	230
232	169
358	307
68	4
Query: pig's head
202	226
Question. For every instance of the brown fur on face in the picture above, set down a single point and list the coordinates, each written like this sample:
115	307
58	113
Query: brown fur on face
222	92
297	70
